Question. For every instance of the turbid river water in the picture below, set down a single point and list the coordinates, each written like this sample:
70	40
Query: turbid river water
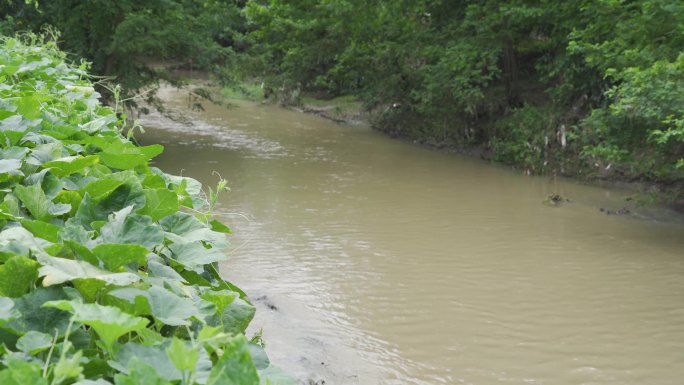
374	261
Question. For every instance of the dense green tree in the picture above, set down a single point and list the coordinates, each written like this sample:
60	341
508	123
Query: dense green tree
545	84
548	85
123	39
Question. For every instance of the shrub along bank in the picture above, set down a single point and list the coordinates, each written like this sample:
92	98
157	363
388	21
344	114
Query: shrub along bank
108	266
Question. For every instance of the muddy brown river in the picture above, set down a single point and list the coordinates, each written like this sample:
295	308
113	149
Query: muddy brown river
374	261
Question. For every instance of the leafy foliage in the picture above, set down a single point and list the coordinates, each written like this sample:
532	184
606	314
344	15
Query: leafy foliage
108	268
123	38
541	83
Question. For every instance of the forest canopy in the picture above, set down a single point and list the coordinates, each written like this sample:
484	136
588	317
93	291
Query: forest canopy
592	87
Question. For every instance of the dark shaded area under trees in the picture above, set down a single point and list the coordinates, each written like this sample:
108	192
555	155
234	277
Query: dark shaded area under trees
592	87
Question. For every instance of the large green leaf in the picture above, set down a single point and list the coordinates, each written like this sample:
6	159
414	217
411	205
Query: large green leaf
7	310
41	229
235	366
34	342
183	356
194	255
35	317
160	203
126	156
237	316
20	372
181	223
68	165
116	255
154	356
124	227
127	194
140	372
164	305
34	200
221	299
59	270
100	188
17	276
9	165
109	322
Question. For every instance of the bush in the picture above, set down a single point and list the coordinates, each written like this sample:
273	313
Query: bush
108	266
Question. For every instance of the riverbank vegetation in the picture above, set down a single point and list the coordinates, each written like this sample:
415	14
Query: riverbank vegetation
591	88
108	265
550	86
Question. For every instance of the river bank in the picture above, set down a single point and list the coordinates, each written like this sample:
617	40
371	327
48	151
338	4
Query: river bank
349	110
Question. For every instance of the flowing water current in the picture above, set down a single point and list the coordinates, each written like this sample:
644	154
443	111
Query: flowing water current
374	261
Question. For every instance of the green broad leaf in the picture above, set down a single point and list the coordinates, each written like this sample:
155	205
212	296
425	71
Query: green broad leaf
152	150
100	188
116	255
74	232
109	322
124	227
68	368
88	288
154	181
44	153
9	165
11	136
17	276
76	250
57	209
237	316
221	299
8	215
140	372
21	372
259	356
189	188
14	153
20	241
170	308
181	223
34	200
158	269
94	367
159	203
164	305
71	198
154	356
42	229
51	185
34	342
150	337
35	317
59	270
129	299
235	367
219	227
90	209
273	375
9	208
7	310
29	106
183	356
194	255
68	165
127	156
96	124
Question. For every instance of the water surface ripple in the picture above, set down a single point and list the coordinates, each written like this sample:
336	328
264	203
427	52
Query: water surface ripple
372	261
